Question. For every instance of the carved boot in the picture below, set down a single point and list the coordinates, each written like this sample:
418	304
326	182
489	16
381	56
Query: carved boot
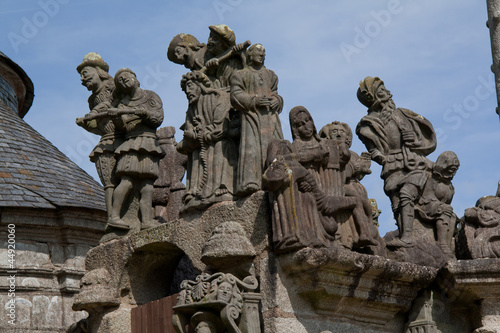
405	239
118	223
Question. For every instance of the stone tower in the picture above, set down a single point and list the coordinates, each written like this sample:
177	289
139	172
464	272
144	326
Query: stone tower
51	214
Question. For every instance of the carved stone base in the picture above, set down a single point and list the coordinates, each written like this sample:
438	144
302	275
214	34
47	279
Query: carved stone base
476	281
355	287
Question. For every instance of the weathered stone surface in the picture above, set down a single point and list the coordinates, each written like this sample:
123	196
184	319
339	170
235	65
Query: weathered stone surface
228	246
475	282
220	301
169	189
356	287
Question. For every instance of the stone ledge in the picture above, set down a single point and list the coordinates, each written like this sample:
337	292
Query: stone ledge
358	287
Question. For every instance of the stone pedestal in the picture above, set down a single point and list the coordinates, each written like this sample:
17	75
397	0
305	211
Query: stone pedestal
476	281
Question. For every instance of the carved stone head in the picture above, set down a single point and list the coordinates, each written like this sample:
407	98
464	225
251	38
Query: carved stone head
96	291
341	132
93	71
256	55
194	84
181	49
446	165
302	124
220	39
372	92
126	81
206	322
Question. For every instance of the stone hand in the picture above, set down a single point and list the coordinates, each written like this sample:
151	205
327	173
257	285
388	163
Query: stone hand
408	136
274	102
214	62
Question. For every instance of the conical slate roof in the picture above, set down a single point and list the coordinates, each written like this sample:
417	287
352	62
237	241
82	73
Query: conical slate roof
33	172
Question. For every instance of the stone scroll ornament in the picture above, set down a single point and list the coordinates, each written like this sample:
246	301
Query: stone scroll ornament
419	189
95	77
218	303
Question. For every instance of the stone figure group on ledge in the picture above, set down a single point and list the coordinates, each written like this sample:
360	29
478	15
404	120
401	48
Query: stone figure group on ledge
419	189
233	114
307	180
128	153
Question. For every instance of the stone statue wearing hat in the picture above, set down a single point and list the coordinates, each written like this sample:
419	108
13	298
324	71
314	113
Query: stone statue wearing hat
94	75
218	59
185	49
399	140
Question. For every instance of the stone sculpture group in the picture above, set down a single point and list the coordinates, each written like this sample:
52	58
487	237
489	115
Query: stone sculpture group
233	147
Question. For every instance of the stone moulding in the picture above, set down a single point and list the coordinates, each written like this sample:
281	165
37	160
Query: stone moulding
353	286
475	281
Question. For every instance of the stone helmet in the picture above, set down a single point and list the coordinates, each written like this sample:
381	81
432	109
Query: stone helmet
225	32
93	59
444	161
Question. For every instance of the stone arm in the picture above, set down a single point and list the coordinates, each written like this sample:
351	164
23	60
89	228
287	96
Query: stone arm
372	142
277	106
152	113
190	142
241	99
89	123
219	127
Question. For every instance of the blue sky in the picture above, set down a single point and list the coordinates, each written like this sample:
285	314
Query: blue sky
434	57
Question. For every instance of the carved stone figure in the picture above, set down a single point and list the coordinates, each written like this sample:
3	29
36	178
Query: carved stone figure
479	235
254	92
217	303
434	201
337	138
399	140
218	59
207	143
95	77
345	170
169	189
223	56
141	113
185	49
304	215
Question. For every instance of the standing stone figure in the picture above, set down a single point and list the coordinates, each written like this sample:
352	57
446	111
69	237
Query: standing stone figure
254	92
141	113
94	75
212	154
399	140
